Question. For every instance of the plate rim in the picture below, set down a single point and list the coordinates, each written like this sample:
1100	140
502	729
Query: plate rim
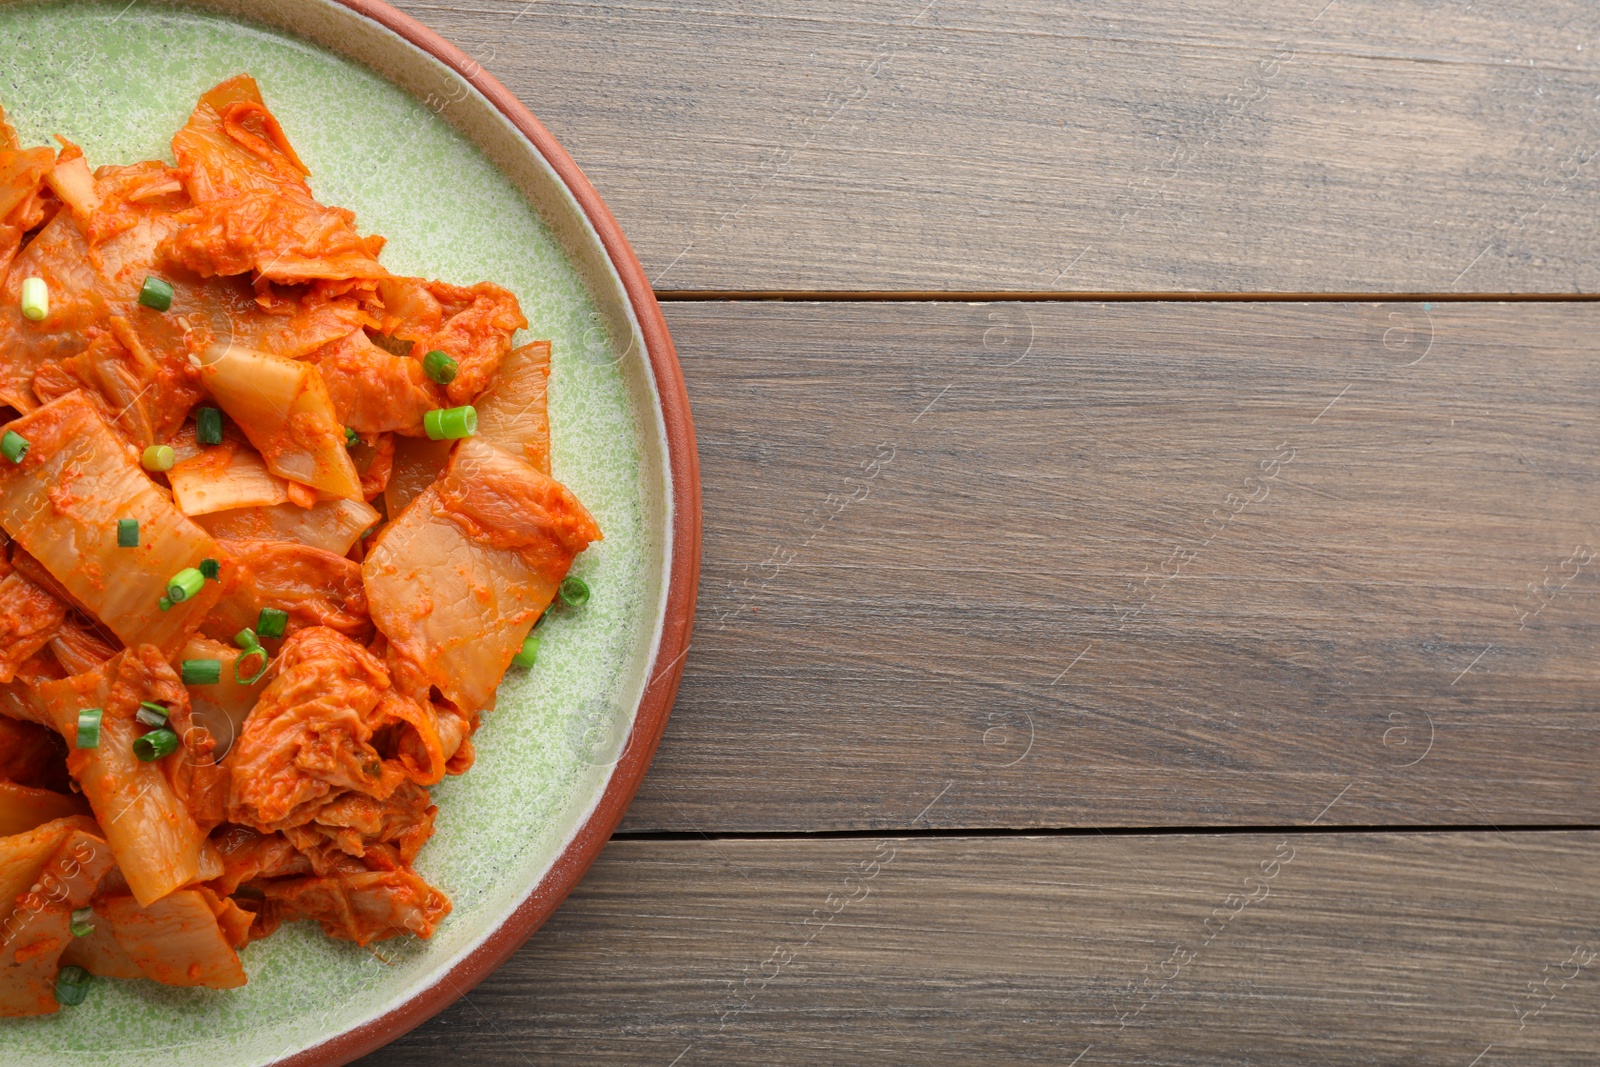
683	576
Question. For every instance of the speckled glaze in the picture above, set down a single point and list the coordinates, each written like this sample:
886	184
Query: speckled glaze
119	80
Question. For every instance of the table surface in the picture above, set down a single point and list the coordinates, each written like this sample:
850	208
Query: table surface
1151	562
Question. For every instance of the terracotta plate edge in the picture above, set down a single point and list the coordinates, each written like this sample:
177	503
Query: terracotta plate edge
683	579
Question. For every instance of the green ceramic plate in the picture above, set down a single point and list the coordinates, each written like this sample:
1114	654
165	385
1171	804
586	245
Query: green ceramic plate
465	189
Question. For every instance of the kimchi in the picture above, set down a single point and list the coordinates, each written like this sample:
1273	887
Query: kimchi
276	523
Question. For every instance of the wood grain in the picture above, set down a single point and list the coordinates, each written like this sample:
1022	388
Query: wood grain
1347	948
1139	565
983	566
1308	146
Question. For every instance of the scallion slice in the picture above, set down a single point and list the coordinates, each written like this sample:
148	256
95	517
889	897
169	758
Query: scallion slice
165	603
529	653
440	367
185	584
574	592
208	426
272	622
35	299
155	293
151	714
451	424
351	438
72	985
127	533
210	569
13	446
82	922
89	727
201	671
158	458
244	677
155	744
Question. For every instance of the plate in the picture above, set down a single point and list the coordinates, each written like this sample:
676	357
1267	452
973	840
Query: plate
388	116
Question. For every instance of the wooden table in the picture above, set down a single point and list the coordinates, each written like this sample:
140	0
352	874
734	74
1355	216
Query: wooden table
1151	564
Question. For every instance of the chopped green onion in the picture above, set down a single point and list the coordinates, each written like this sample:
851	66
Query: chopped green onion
166	603
450	424
246	639
272	622
127	533
574	592
72	986
155	293
82	922
158	458
239	674
13	446
530	651
351	438
440	367
151	714
201	671
89	727
155	744
210	569
208	426
35	299
185	584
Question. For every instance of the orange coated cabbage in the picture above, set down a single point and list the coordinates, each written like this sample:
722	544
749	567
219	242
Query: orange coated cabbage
156	820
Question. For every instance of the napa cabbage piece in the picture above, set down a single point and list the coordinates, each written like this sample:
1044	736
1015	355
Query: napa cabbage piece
29	618
315	587
139	396
473	325
23	808
330	525
22	173
253	209
249	856
222	707
94	286
309	738
93	258
374	391
148	824
62	503
359	825
23	855
59	255
78	648
71	181
19	698
432	738
223	478
284	409
458	580
513	412
179	940
39	927
99	953
362	905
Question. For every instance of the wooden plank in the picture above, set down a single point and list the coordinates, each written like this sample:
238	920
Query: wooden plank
1139	564
1349	948
1027	145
